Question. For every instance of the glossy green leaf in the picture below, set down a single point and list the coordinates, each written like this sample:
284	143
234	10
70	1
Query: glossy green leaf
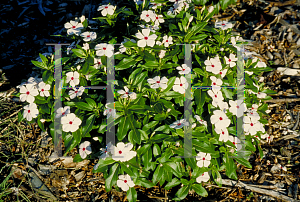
173	183
83	106
126	63
80	53
89	124
131	194
112	177
200	190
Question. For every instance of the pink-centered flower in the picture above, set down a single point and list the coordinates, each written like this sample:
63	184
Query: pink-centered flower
70	123
179	124
238	107
122	152
145	39
76	92
219	119
73	27
85	149
231	60
28	92
104	49
156	82
89	36
44	89
223	132
60	112
30	111
203	177
180	85
148	15
72	78
223	25
183	69
125	182
203	159
213	65
107	9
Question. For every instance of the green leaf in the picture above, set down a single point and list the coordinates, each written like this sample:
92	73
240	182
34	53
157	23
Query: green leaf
230	167
70	142
173	183
217	177
194	30
135	132
46	75
151	64
200	190
91	102
41	125
77	158
89	124
20	117
148	56
144	182
171	82
44	59
199	37
244	162
143	149
123	128
79	53
158	173
126	63
83	106
104	163
149	125
140	78
172	94
45	108
39	64
77	135
131	194
112	178
182	193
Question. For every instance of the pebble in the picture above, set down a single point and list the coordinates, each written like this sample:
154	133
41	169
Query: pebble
296	66
269	55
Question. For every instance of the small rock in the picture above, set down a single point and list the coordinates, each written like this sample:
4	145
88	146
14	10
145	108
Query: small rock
79	175
296	66
62	173
277	62
53	157
270	55
68	162
46	169
32	161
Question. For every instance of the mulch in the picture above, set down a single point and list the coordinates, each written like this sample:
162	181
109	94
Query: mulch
274	29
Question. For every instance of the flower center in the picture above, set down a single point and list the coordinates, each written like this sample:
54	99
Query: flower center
42	90
127	93
221	118
76	91
229	60
203	174
120	152
178	124
233	142
156	18
251	124
167	40
203	159
147	15
258	93
63	113
183	69
220	72
28	111
125	181
223	24
99	63
74	27
214	83
72	78
146	38
88	36
215	95
157	81
181	84
237	107
83	149
110	110
27	92
70	122
213	65
104	48
223	133
106	7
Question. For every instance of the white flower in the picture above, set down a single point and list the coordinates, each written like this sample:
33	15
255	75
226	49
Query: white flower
236	141
210	9
220	119
86	46
70	123
203	159
216	94
269	138
16	190
162	53
252	125
125	182
104	49
259	64
238	107
177	144
85	149
73	27
76	93
215	82
213	65
81	19
223	132
126	93
167	40
184	69
254	107
43	88
180	85
62	111
231	60
261	95
122	152
222	105
158	19
30	111
106	151
179	124
145	39
203	178
89	36
200	120
253	114
156	82
107	9
223	25
109	112
148	15
73	78
223	73
153	5
97	63
28	93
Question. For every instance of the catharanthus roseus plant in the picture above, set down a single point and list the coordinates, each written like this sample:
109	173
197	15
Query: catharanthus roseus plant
150	88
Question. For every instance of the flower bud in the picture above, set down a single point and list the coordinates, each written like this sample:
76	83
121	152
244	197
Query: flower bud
210	9
191	19
221	49
168	110
42	120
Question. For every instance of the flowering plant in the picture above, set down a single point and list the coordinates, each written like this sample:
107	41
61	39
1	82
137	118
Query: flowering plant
149	102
